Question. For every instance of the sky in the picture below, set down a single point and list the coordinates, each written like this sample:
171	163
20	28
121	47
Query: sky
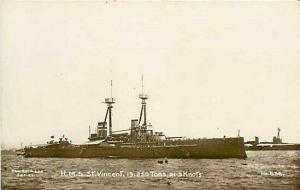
210	68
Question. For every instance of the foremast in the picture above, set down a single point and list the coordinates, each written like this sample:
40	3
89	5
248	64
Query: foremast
101	129
109	102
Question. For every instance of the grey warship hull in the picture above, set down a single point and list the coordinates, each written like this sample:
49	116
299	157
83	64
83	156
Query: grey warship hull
273	147
201	148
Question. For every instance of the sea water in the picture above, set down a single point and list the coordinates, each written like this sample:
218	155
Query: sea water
261	170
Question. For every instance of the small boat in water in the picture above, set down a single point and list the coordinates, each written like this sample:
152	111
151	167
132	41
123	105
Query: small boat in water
20	152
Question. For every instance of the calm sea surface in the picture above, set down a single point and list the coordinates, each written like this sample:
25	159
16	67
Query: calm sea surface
261	170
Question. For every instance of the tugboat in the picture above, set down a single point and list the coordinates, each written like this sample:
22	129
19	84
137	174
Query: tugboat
139	141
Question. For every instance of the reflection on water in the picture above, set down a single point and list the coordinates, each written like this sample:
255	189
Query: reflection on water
261	170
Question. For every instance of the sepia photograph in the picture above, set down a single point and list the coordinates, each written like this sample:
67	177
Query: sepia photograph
121	94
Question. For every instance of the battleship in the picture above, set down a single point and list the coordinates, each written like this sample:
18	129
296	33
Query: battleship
138	141
276	144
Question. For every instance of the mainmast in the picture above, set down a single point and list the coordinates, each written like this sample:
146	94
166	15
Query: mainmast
143	97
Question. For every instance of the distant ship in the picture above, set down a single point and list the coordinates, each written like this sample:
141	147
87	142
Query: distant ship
276	144
139	141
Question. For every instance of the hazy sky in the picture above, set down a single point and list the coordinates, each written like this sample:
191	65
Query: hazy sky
210	68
